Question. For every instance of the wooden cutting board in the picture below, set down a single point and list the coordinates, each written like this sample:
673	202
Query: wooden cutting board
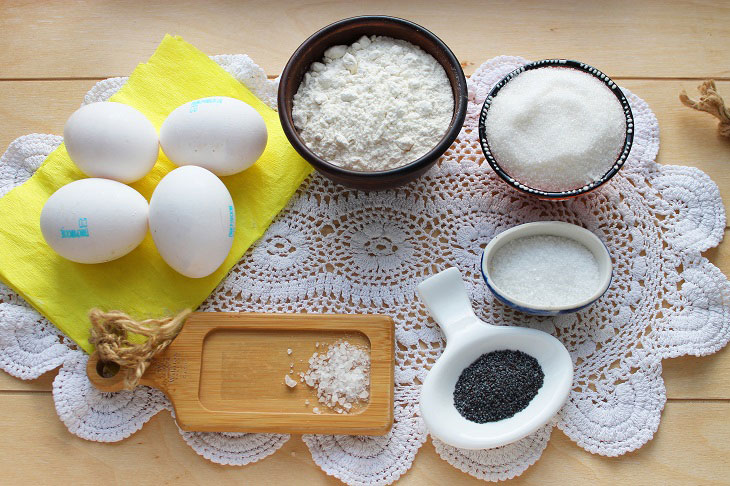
225	372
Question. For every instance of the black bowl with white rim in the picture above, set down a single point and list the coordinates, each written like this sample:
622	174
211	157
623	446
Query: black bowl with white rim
571	193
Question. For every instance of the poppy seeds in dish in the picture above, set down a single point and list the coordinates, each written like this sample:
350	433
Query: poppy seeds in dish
497	385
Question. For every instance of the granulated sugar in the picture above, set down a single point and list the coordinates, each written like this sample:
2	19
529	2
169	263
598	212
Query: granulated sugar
341	376
555	129
545	270
377	104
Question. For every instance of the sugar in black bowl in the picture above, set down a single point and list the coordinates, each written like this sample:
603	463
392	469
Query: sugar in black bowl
556	128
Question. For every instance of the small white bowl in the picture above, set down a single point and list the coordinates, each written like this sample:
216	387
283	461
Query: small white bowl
467	338
549	228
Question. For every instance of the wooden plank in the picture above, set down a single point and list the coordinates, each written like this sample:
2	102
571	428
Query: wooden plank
44	383
675	456
101	39
627	39
692	377
38	107
39	450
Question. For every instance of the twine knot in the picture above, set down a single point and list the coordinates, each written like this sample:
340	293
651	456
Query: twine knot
110	333
711	102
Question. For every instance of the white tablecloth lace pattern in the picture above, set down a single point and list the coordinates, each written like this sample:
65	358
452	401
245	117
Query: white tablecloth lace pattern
338	250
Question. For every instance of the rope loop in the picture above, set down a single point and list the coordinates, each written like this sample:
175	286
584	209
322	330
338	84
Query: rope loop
110	333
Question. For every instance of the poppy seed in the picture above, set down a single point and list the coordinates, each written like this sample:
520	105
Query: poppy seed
497	385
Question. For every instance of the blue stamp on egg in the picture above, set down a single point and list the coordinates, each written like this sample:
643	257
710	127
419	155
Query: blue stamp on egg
231	221
81	232
195	104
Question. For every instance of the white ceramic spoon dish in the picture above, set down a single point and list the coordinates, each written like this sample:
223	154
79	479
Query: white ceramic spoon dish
467	338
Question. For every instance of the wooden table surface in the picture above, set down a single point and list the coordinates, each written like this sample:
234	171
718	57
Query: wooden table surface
51	53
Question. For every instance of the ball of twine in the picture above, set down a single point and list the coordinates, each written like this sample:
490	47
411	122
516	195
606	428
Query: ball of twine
111	332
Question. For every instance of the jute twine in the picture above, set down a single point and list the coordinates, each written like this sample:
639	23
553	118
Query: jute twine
711	102
110	333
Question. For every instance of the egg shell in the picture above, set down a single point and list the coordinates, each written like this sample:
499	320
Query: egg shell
94	220
192	221
111	140
221	134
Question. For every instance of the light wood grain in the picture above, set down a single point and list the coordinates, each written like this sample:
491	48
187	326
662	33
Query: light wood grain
225	372
649	40
42	384
687	450
693	377
38	106
690	447
623	38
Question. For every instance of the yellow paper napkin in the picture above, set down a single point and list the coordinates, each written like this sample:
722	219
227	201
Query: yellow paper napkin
141	283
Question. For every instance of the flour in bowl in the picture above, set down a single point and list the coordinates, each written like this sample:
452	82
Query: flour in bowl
375	105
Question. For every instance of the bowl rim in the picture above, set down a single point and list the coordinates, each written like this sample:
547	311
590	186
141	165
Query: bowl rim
571	64
457	120
516	232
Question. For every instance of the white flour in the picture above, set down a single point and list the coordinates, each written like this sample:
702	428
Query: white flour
378	104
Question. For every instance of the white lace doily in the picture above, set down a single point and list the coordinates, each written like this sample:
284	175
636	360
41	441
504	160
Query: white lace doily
338	250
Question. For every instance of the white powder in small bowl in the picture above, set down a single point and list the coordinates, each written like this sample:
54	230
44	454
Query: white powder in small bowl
555	129
545	271
375	105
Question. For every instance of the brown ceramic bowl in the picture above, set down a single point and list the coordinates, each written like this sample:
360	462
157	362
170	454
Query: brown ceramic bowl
346	32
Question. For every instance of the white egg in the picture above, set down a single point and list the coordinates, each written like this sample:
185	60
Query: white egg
94	220
223	135
111	140
192	220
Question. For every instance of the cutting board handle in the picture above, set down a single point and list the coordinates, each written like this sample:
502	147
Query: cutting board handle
105	376
108	377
